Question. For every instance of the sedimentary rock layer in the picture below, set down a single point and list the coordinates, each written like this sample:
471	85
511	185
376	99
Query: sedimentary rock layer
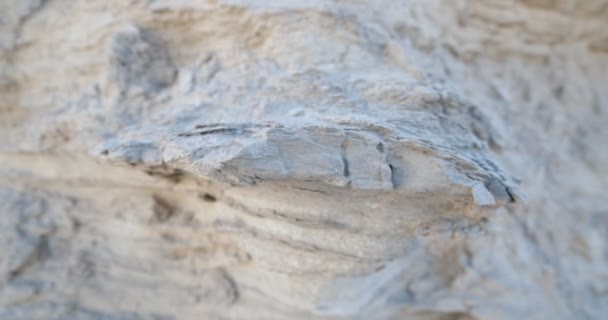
243	159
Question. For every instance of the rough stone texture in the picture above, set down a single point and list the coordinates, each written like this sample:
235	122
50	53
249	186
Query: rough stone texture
249	159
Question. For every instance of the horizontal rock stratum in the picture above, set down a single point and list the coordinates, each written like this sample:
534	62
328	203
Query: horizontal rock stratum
244	159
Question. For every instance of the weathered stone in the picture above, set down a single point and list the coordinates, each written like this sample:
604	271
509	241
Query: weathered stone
242	159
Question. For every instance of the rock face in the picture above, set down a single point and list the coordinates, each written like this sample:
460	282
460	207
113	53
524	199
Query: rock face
245	159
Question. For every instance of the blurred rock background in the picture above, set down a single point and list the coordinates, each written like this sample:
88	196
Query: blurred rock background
250	159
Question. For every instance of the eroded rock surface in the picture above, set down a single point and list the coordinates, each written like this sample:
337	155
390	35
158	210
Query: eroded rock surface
243	159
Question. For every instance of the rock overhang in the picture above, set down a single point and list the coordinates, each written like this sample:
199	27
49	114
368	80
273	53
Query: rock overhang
325	156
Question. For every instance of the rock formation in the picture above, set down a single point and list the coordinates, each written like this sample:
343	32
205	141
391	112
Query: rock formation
248	159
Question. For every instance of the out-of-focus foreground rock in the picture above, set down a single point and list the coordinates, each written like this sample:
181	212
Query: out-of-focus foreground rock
250	159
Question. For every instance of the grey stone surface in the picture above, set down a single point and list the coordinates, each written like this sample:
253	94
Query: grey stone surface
245	159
